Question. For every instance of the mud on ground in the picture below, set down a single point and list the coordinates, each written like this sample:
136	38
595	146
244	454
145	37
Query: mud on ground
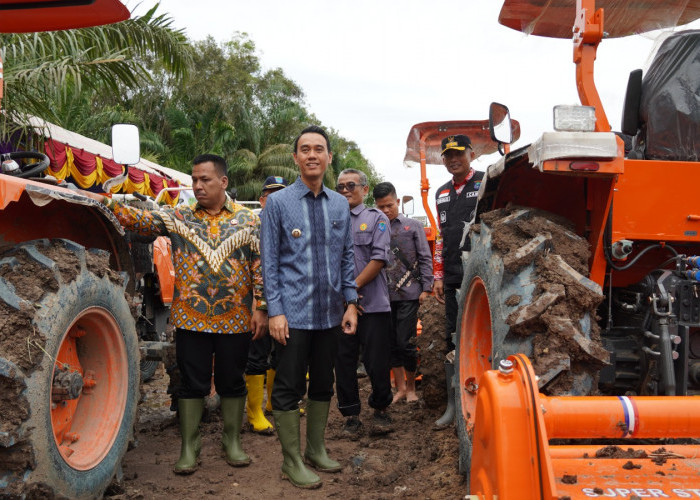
432	348
413	462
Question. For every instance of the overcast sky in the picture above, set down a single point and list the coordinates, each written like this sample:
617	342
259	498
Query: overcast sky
371	69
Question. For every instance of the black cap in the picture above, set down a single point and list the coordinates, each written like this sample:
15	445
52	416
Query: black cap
458	142
274	182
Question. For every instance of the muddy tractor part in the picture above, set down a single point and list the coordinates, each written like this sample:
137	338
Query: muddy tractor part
69	348
579	312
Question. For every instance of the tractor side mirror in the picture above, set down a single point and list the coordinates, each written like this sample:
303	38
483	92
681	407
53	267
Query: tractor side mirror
407	205
125	144
500	125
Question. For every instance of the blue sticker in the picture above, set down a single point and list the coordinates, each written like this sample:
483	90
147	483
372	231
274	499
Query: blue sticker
381	226
477	184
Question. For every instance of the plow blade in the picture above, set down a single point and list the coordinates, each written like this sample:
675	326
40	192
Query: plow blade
527	445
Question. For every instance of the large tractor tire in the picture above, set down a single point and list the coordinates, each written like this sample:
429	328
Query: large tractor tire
525	291
69	371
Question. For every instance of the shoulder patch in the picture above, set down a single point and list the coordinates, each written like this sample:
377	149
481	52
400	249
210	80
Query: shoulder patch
381	226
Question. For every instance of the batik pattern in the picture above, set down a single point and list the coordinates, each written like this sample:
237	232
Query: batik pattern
216	260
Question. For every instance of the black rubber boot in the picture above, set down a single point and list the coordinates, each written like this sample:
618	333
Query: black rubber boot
293	468
232	412
316	454
447	418
190	411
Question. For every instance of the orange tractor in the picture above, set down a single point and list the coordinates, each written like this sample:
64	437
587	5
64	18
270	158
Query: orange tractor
578	343
69	346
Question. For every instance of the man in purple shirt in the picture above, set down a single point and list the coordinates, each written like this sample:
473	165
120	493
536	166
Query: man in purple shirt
410	277
371	236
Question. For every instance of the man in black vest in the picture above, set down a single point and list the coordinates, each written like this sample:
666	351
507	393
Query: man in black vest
456	201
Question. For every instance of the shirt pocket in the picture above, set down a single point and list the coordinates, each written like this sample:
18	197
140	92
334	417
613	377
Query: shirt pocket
362	238
337	231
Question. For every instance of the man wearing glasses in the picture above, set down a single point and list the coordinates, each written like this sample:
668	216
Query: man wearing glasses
307	259
371	235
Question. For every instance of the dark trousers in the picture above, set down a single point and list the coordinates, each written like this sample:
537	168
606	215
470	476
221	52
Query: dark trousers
404	319
451	309
262	356
374	338
312	350
195	352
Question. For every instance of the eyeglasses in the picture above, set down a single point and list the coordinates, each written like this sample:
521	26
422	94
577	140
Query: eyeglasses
350	186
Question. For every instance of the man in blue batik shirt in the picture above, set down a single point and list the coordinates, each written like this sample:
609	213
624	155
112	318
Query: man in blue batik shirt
308	269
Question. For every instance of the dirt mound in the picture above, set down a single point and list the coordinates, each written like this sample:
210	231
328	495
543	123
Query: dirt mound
617	452
432	349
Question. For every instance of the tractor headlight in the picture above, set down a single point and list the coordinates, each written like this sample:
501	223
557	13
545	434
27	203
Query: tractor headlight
574	118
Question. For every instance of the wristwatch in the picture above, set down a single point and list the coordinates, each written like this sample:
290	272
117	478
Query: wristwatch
351	301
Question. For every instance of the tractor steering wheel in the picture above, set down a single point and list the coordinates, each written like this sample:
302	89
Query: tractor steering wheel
30	169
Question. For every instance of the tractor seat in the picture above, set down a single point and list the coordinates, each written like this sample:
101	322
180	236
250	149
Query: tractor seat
662	111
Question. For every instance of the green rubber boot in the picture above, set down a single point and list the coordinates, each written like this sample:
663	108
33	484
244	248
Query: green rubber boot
190	411
232	412
293	468
316	454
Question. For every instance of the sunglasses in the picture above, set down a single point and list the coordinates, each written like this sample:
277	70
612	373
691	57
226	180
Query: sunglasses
350	186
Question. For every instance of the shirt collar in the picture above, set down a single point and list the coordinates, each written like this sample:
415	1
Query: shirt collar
358	209
470	174
302	189
228	205
400	218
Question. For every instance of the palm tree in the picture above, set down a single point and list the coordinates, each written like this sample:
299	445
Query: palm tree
45	71
247	171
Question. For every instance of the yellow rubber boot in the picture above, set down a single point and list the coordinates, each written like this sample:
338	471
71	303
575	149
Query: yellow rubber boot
256	418
270	382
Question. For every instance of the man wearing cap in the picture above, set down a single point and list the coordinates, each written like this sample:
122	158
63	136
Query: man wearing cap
371	235
261	356
456	201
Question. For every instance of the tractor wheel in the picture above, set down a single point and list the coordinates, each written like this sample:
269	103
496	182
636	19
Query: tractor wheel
525	291
69	370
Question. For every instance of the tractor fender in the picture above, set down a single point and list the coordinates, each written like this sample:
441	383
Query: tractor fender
32	210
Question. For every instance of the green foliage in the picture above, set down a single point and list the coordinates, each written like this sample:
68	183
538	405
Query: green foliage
50	74
186	97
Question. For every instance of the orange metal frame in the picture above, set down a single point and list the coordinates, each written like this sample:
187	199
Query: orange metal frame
511	423
637	191
512	457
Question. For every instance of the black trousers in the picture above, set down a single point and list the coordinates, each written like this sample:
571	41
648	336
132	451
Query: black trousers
195	352
404	320
374	338
451	310
262	356
312	350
